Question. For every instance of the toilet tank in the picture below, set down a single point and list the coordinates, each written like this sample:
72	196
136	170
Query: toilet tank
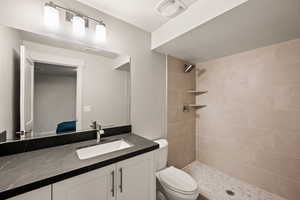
161	154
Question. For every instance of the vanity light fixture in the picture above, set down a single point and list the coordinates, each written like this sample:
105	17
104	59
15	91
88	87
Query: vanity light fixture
51	16
100	35
79	21
78	24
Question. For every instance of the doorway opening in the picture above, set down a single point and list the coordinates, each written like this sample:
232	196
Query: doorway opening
54	98
50	93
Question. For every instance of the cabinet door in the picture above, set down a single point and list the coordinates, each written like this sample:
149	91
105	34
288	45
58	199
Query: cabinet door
94	185
136	178
43	193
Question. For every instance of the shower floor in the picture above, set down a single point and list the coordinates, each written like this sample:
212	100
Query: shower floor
215	185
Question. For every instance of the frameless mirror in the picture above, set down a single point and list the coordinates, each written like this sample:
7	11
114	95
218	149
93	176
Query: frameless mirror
50	86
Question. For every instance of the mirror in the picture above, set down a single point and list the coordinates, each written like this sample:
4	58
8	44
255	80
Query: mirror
51	86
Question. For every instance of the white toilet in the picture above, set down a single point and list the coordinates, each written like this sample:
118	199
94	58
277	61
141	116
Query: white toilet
174	184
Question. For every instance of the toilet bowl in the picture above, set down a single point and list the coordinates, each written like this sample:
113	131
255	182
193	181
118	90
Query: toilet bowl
174	183
177	184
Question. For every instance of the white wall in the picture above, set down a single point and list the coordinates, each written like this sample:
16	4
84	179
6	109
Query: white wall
9	61
147	67
54	100
104	89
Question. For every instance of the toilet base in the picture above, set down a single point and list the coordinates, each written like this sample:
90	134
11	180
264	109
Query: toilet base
160	196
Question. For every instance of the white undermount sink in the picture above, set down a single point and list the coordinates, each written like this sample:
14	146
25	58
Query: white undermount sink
100	149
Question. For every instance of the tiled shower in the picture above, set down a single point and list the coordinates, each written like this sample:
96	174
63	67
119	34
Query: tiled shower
250	128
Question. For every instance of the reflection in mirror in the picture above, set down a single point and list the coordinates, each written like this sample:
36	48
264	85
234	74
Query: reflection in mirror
54	83
50	87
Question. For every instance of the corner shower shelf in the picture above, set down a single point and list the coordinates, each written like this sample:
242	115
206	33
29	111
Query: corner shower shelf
194	106
196	92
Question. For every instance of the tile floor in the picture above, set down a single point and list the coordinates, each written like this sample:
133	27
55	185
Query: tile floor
213	185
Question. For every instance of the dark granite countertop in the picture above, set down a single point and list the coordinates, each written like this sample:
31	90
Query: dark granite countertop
24	172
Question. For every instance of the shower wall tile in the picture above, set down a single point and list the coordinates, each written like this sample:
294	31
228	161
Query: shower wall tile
181	125
251	127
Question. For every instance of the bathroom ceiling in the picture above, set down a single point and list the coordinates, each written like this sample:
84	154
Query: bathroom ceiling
140	13
251	25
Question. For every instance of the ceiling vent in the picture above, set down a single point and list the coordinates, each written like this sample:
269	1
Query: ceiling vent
170	8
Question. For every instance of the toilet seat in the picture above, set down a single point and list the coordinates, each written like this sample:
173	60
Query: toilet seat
178	181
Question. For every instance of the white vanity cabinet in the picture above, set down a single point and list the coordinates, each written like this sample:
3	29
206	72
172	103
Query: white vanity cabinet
136	178
43	193
130	179
94	185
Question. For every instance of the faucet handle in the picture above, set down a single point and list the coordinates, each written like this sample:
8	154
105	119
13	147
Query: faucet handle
93	125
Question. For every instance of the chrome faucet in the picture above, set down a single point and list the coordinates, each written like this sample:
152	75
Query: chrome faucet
99	130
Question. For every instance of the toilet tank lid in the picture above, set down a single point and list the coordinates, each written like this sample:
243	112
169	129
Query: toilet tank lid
162	143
